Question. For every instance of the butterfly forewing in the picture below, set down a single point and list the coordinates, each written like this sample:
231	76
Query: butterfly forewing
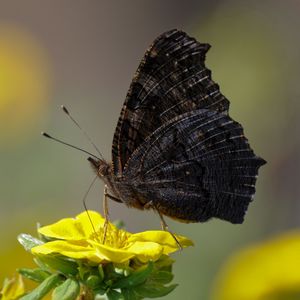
171	80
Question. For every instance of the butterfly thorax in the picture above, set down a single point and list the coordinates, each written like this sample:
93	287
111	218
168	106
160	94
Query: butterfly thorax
121	190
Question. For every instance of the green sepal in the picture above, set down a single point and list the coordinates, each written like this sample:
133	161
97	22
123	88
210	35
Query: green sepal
28	241
114	295
43	289
162	277
100	291
94	282
135	278
63	265
68	290
123	269
37	275
165	263
84	272
110	274
154	290
101	272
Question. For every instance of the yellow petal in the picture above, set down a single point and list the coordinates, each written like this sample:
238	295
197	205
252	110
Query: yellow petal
146	251
107	253
67	248
78	228
164	238
90	216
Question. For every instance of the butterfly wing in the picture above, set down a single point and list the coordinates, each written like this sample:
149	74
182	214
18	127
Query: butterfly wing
196	166
170	80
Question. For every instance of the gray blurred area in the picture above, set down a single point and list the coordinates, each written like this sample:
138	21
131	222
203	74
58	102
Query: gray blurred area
92	49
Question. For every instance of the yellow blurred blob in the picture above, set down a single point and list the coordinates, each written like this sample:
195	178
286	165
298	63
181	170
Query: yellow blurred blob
12	289
24	82
267	271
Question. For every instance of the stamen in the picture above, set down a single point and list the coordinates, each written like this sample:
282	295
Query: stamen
115	238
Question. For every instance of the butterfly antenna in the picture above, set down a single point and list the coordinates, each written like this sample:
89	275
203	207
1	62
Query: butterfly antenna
66	111
67	144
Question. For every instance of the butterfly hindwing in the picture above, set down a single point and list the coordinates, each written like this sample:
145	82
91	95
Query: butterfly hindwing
196	166
171	80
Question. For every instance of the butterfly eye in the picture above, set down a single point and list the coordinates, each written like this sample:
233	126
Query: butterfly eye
103	169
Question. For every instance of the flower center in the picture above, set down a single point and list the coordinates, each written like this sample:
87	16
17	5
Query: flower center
115	238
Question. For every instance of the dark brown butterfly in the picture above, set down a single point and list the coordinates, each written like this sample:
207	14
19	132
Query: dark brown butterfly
175	148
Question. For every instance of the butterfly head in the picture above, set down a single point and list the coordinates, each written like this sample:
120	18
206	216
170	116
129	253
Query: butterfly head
101	167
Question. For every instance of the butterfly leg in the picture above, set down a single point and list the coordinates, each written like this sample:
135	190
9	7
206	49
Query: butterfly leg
114	198
163	223
105	211
106	195
165	227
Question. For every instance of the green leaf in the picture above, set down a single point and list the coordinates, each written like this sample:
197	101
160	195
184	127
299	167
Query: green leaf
68	290
60	264
154	290
28	241
135	278
131	294
114	295
162	277
47	285
37	275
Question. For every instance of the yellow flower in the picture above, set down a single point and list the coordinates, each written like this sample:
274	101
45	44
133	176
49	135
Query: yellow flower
81	238
12	289
267	271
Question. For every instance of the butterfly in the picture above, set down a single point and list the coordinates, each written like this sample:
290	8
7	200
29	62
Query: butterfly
175	149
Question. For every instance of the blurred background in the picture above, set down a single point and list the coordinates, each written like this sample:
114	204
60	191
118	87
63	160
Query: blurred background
83	54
